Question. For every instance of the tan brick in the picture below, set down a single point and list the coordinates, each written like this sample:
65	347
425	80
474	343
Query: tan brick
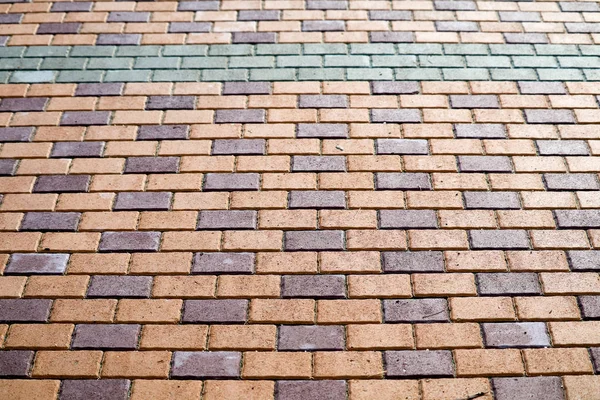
450	181
457	388
70	241
486	362
191	241
277	365
200	201
569	239
582	387
160	263
85	201
262	200
174	337
443	284
350	262
570	282
376	240
548	200
181	182
72	364
287	311
149	311
110	263
29	202
252	240
167	390
239	390
88	310
557	361
348	364
291	181
379	286
39	336
29	389
516	181
374	199
379	337
19	241
136	364
348	311
514	219
346	181
167	220
544	260
547	308
467	219
56	286
11	286
242	337
109	221
375	131
448	336
240	286
347	219
482	309
286	263
427	200
184	286
385	389
287	219
438	240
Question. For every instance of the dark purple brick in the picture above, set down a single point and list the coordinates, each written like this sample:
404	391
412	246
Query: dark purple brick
416	310
516	334
404	115
238	88
484	164
223	263
325	131
8	167
402	181
24	310
128	16
76	6
31	264
562	148
206	364
215	311
323	26
454	5
508	283
323	101
16	134
590	307
584	260
198	5
474	101
311	337
77	149
407	219
499	239
227	219
155	201
595	351
58	28
542	88
542	387
571	181
23	104
402	146
171	103
231	182
577	218
162	132
100	336
318	164
314	240
98	89
480	131
549	116
377	15
85	118
418	363
492	200
239	116
15	363
50	221
151	165
326	4
129	241
239	147
95	389
10	18
313	286
258	15
317	199
185	27
392	37
120	286
253	37
118	39
310	390
419	261
61	184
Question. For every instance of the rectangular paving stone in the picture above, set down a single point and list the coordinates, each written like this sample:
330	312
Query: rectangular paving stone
48	28
571	181
584	260
577	218
313	286
15	363
492	200
320	199
171	103
253	37
120	286
310	337
223	263
508	284
205	364
418	363
33	264
239	116
114	389
231	182
83	6
542	88
151	165
229	219
198	5
99	89
323	26
310	390
8	167
562	148
480	131
537	38
129	241
410	262
456	26
392	37
517	334
407	219
185	27
20	134
326	4
24	310
258	15
590	307
540	387
499	239
318	164
141	201
77	149
395	116
61	184
549	116
86	118
381	15
215	311
383	87
313	240
23	104
322	101
402	181
162	132
11	18
322	131
50	221
128	16
402	146
238	88
484	164
416	310
239	147
105	39
100	336
474	101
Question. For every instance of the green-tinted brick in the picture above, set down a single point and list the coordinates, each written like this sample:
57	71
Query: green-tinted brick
92	51
441	61
321	74
163	75
590	50
420	48
32	76
579	62
395	61
592	74
372	48
47	51
230	50
138	51
325	48
560	74
110	63
299	61
11	52
204	62
418	74
488	62
370	74
252	62
277	49
20	63
79	76
512	49
4	76
276	74
138	75
535	62
225	75
471	49
346	61
63	63
156	63
521	74
556	49
465	74
185	50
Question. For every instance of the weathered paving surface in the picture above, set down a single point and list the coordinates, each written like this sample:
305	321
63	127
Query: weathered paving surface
290	199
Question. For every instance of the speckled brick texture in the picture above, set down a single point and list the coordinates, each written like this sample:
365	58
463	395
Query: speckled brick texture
299	200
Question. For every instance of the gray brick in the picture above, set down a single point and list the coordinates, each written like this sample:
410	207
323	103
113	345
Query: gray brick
50	221
120	286
517	334
95	389
51	28
323	26
578	6
215	311
542	88
416	310
590	307
480	131
326	5
99	89
24	310
405	115
314	240
239	147
23	104
10	18
231	182
484	164
61	184
519	16
206	364
456	26
100	336
127	16
311	337
492	200
418	363
118	39
571	182
454	5
198	5
15	363
402	181
323	101
32	264
8	167
376	15
562	148
223	263
77	149
151	165
129	241
239	116
409	262
595	351
508	284
317	199
85	118
501	239
313	286
402	146
474	101
227	219
186	27
392	37
325	131
162	132
578	218
526	38
154	201
407	219
171	103
253	37
258	15
311	390
584	260
237	88
318	164
543	387
549	116
72	7
582	27
20	134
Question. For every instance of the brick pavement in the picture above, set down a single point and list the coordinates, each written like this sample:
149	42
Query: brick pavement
290	199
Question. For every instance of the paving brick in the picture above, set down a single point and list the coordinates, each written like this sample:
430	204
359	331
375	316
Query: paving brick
239	147
77	149
223	263
590	306
402	146
16	134
542	88
571	182
317	199
162	132
584	260
105	39
502	239
151	165
508	283
311	337
325	131
24	310
421	261
402	181
484	164
61	184
231	182
73	118
414	364
323	26
395	116
416	310
120	286
15	363
577	218
98	89
142	201
562	148
105	389
314	240
50	221
407	219
235	219
318	164
549	116
129	241
98	336
474	101
392	37
22	263
215	311
547	387
24	104
217	364
322	101
519	334
239	116
491	200
185	27
313	286
171	103
8	167
310	390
